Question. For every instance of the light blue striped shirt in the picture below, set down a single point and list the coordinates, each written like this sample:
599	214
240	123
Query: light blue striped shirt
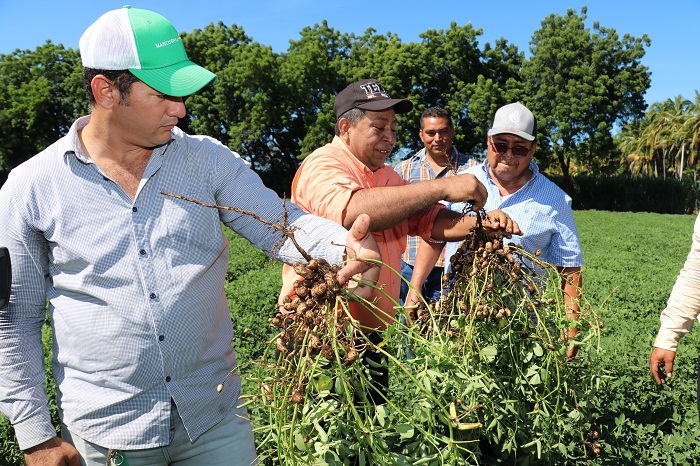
136	288
543	212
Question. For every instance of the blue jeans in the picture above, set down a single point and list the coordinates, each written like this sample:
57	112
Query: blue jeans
229	442
431	287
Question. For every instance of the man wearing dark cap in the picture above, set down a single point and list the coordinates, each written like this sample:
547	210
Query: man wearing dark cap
135	278
349	176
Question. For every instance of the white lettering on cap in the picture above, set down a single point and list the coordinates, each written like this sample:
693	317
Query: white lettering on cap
371	89
167	42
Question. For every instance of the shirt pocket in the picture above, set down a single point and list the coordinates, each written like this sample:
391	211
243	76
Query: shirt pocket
193	229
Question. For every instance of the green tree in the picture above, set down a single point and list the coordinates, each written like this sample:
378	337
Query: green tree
471	83
500	85
580	83
42	94
691	126
311	75
242	109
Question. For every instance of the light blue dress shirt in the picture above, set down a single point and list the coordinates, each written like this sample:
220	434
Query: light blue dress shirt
136	288
543	212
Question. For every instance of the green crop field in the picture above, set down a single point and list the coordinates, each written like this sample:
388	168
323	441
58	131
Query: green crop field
632	260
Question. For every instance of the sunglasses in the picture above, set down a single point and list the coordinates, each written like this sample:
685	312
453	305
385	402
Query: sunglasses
502	148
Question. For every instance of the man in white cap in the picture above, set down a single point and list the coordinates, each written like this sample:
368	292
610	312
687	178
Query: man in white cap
540	207
134	278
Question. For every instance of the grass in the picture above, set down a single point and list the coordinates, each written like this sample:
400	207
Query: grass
632	261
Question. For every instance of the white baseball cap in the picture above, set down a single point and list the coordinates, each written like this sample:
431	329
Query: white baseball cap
515	119
146	44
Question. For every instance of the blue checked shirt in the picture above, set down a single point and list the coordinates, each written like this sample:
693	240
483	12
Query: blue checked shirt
417	168
543	212
135	288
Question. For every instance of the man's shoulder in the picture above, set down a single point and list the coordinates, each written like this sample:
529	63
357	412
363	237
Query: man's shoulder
474	169
548	191
194	139
328	156
411	160
46	160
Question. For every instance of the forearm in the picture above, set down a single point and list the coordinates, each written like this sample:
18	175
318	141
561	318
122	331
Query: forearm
427	255
23	399
684	302
390	205
572	284
452	226
682	308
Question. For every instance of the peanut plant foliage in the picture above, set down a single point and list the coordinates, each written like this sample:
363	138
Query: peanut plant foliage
451	403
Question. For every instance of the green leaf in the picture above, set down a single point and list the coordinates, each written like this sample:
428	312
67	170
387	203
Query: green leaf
325	383
339	386
299	442
488	353
381	414
323	436
405	430
537	349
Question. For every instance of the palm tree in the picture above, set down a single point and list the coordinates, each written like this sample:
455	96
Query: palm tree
691	127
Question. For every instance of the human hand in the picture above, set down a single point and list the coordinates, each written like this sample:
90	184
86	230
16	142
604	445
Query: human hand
661	357
363	266
466	188
53	452
571	350
412	303
498	223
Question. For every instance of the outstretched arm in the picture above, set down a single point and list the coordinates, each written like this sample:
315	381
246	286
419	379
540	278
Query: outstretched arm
454	226
572	284
427	255
413	199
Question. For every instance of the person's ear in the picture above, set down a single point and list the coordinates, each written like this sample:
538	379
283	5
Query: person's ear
344	125
106	95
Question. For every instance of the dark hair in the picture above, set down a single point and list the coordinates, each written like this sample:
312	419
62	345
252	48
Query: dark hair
436	112
353	116
122	80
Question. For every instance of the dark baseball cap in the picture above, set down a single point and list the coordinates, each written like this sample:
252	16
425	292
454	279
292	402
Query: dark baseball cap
368	94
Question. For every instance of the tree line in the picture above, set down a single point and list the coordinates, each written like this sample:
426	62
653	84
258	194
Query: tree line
666	141
275	108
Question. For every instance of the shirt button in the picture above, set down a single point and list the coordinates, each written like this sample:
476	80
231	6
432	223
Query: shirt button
152	296
167	379
142	252
161	337
135	209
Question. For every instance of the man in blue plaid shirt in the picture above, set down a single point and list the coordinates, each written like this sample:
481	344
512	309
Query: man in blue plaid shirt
437	159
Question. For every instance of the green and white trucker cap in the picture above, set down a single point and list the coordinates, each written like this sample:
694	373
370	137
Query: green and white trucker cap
146	44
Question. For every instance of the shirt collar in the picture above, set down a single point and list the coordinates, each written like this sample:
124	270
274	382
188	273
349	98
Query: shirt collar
72	141
340	144
454	155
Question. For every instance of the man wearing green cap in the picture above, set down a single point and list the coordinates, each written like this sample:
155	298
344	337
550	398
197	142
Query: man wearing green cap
135	278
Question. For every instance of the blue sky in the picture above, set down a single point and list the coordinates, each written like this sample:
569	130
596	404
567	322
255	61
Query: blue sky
671	25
